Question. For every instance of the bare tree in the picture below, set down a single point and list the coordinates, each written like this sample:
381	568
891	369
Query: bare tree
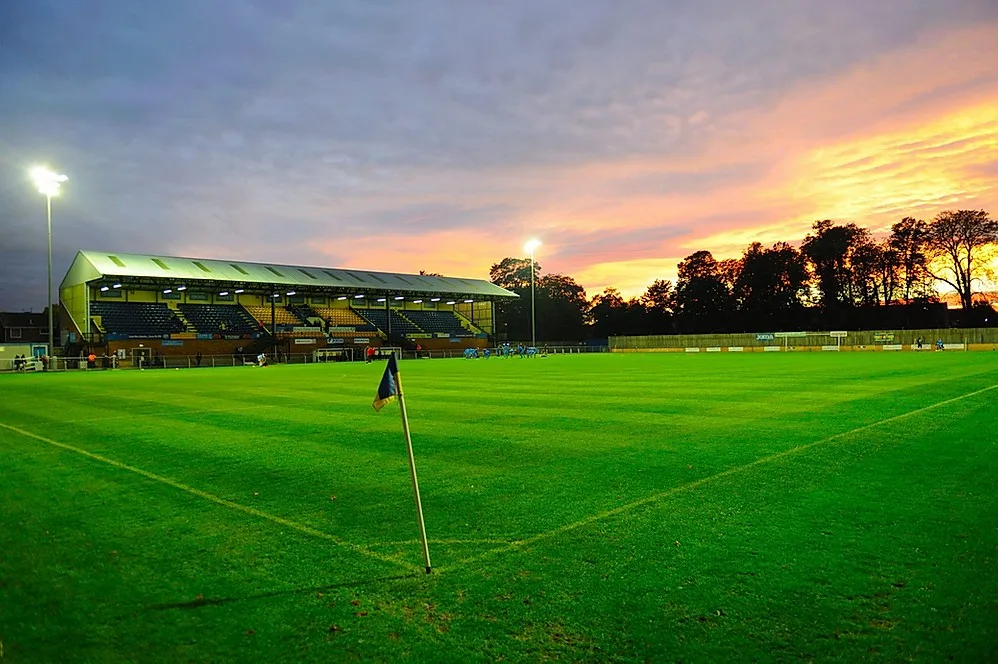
959	245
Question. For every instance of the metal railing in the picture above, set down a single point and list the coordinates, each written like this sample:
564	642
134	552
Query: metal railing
108	363
542	349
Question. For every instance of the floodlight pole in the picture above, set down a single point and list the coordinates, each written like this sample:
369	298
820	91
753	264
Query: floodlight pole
533	319
48	183
273	323
48	211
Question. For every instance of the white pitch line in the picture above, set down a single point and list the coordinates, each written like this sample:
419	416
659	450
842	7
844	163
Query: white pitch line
447	541
308	530
700	482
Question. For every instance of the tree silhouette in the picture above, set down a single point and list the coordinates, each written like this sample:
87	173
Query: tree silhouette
771	286
702	298
560	303
960	244
907	240
611	315
561	308
851	274
513	273
866	270
829	250
513	316
659	304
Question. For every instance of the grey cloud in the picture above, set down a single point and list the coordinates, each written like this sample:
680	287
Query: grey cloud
269	124
428	217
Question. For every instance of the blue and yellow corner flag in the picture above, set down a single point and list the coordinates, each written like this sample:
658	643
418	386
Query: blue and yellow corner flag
388	389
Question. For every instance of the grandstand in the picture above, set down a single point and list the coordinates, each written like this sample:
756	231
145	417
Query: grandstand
177	305
141	318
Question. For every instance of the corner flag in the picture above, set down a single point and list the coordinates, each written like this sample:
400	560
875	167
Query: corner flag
390	388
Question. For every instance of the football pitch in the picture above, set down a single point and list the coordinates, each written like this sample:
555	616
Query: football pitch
640	507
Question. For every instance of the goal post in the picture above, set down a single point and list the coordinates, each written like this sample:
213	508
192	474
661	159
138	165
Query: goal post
383	351
332	354
342	354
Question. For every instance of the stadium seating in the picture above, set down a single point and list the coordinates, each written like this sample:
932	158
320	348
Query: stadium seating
209	318
281	315
137	318
343	318
439	321
379	318
304	313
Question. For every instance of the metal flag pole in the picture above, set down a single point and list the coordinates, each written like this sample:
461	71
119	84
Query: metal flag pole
412	472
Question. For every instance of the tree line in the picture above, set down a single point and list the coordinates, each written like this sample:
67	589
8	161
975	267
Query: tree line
840	276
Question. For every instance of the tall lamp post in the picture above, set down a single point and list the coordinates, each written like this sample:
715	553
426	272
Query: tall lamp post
48	183
531	246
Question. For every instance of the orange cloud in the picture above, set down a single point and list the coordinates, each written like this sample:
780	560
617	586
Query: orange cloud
908	135
914	171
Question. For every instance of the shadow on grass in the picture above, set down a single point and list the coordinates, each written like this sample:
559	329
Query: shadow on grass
201	601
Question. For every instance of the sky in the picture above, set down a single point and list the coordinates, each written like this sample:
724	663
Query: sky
440	135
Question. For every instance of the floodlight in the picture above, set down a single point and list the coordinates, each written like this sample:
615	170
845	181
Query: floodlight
48	182
531	245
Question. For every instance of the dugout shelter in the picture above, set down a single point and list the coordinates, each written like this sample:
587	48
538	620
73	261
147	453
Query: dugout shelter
151	304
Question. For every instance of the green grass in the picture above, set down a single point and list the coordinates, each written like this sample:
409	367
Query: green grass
760	507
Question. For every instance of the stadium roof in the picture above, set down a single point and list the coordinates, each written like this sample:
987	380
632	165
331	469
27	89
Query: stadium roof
90	266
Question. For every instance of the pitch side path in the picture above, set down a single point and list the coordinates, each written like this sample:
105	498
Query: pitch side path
660	507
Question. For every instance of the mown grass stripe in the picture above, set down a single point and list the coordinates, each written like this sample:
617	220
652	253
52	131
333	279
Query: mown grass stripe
600	516
302	528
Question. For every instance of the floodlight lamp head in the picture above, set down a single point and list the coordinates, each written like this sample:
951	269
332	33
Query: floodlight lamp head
48	183
531	245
